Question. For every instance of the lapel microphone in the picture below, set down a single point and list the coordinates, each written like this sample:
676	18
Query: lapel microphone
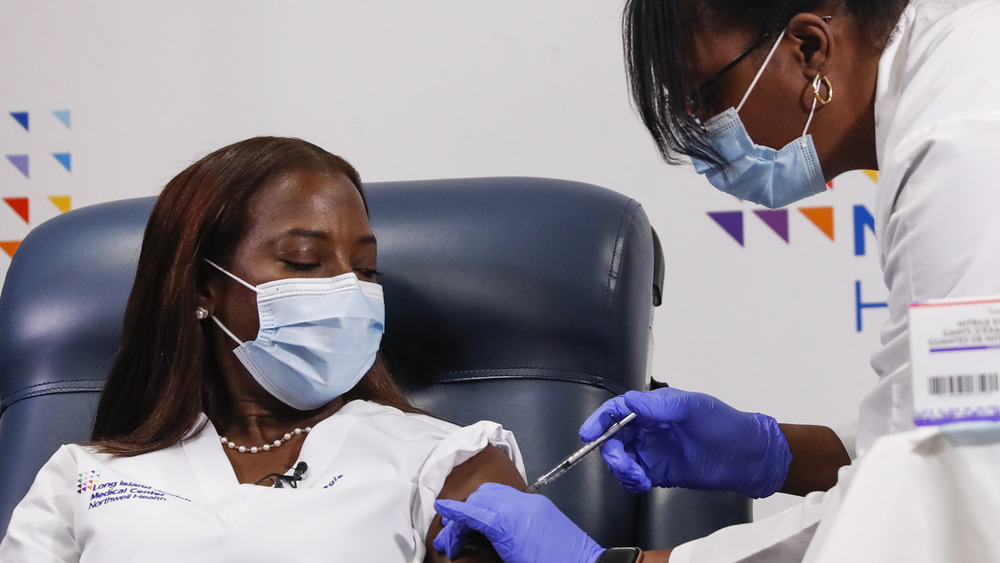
297	472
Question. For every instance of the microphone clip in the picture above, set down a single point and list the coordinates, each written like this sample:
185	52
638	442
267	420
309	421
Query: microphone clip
280	479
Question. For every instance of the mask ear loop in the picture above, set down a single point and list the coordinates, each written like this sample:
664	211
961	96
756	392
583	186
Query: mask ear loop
221	269
227	331
817	98
761	71
216	319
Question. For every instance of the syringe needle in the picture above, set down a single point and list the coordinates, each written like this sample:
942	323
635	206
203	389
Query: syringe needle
575	458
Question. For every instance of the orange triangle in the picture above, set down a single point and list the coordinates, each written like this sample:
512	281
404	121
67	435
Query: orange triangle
9	246
822	217
829	184
873	174
61	201
19	205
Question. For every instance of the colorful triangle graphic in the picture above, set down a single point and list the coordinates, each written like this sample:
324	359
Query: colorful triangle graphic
20	161
731	222
61	201
64	159
21	117
822	217
19	205
777	219
9	246
63	115
873	174
829	185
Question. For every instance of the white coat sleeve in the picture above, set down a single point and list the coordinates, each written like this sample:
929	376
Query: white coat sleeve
929	494
41	526
457	448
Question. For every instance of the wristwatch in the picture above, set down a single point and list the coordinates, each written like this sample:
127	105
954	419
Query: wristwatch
620	555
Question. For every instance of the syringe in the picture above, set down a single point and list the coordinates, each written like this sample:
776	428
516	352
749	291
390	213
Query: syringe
572	460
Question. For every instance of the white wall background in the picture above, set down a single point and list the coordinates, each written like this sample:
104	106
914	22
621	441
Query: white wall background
433	89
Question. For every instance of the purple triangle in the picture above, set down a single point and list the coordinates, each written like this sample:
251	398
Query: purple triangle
731	222
777	219
21	161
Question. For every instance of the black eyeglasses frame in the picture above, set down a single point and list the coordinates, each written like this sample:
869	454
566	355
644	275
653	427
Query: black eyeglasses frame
695	98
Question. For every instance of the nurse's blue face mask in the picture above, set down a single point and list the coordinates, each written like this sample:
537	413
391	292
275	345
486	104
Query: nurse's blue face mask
769	177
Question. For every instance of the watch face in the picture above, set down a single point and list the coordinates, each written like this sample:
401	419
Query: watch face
620	555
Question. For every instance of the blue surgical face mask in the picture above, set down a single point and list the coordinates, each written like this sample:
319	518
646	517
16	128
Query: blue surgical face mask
318	336
769	177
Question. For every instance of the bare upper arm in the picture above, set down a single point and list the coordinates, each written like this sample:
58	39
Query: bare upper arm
488	466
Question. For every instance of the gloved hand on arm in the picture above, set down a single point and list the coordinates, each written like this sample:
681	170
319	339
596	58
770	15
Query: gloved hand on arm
523	527
692	440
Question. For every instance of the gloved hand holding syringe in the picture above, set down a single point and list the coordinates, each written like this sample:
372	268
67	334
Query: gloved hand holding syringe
675	439
578	455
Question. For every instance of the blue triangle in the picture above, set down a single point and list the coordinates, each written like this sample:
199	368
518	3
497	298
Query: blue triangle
21	117
64	159
20	161
63	115
731	222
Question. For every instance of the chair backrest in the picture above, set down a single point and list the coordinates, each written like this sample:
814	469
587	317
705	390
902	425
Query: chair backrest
523	300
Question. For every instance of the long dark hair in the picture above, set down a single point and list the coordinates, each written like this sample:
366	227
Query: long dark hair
658	40
164	376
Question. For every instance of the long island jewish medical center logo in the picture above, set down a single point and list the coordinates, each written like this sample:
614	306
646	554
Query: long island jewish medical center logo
103	493
733	223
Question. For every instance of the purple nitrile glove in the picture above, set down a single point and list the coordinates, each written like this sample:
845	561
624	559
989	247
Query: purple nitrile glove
692	440
523	527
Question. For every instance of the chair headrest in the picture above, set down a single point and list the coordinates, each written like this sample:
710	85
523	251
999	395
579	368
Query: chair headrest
514	278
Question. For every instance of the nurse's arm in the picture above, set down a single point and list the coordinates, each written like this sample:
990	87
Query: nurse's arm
817	455
488	466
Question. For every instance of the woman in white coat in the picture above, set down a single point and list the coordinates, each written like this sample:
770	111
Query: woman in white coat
248	415
771	99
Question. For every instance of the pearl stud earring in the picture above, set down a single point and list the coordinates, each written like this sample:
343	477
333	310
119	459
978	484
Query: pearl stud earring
201	313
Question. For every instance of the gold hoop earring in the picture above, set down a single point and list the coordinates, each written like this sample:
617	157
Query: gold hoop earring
820	79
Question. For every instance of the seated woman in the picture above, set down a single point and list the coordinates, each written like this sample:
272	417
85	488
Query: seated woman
248	415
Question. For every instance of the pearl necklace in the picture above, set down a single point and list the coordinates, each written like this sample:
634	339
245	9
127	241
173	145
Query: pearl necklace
266	447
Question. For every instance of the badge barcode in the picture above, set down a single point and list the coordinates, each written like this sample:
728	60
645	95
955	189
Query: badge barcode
964	384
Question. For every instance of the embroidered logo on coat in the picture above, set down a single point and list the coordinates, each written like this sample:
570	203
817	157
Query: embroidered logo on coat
87	481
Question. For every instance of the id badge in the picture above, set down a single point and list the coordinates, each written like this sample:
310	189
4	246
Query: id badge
955	360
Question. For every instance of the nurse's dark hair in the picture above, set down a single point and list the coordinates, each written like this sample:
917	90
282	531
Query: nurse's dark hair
658	38
164	374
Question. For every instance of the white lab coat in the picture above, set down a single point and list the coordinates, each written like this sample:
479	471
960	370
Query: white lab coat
367	495
929	494
937	218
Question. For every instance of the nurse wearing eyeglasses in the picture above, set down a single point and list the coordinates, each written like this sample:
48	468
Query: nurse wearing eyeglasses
770	100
